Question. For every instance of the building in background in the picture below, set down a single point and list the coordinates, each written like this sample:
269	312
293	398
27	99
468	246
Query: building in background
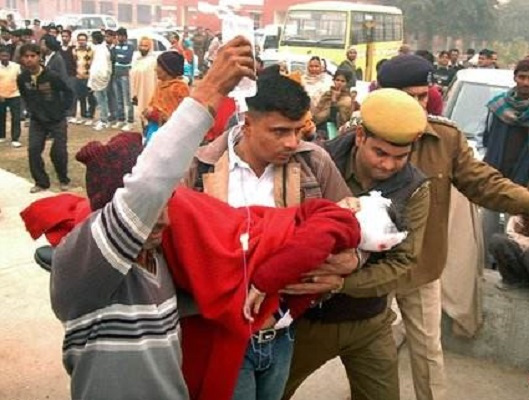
156	12
263	12
128	12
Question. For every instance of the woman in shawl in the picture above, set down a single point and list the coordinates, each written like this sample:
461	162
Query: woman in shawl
315	81
170	91
335	106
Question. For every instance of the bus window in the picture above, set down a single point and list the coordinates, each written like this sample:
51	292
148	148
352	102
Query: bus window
324	28
388	27
358	33
378	35
393	28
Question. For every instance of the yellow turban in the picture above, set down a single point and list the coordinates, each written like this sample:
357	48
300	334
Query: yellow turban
393	115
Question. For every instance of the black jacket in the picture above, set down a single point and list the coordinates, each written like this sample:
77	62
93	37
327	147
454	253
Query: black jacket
399	188
48	99
69	60
57	65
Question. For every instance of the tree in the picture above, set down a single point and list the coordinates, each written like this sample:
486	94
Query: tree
512	21
477	18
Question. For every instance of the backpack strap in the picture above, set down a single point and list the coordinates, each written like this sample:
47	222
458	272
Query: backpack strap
202	168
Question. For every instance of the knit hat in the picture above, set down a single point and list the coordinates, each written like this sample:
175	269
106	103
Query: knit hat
107	164
405	71
393	116
172	62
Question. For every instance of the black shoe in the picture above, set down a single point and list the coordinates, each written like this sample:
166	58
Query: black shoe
43	257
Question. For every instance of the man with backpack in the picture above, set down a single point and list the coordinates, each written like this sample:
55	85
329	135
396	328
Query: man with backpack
265	162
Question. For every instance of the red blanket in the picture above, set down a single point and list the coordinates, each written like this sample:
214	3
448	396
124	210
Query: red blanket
55	216
204	253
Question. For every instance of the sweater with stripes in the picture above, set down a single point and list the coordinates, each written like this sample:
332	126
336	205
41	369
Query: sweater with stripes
122	333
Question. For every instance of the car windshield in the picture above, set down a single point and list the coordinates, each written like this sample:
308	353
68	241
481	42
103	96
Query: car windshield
110	23
91	23
325	28
68	21
470	111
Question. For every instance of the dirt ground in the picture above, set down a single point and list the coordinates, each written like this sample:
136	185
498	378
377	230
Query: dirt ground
16	160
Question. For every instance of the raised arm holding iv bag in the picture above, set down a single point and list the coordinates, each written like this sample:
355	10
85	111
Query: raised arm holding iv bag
232	26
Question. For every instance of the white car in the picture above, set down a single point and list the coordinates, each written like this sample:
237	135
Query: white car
468	95
87	23
160	43
165	32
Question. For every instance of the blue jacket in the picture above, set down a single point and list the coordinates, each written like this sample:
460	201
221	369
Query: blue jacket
494	139
123	58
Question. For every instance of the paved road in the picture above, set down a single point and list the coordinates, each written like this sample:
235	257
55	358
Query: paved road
30	336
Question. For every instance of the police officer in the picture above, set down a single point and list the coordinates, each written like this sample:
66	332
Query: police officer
355	324
444	156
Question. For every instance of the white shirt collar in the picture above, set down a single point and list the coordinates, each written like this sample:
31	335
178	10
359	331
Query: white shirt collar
233	138
234	160
48	58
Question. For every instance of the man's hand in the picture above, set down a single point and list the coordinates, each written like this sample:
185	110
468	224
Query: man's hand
147	112
343	263
350	203
335	94
252	304
315	285
234	61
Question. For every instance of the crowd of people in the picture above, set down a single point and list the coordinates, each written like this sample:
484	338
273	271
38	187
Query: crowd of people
227	271
107	84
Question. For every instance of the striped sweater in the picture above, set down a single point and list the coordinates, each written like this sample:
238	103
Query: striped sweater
121	322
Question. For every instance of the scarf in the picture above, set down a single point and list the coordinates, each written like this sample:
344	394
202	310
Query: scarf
510	109
312	80
168	96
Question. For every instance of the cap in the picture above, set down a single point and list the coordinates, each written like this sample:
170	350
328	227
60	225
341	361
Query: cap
405	71
106	164
393	115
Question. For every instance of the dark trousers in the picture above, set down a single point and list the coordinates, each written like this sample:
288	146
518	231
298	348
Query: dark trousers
38	131
71	81
367	350
87	101
511	260
14	105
